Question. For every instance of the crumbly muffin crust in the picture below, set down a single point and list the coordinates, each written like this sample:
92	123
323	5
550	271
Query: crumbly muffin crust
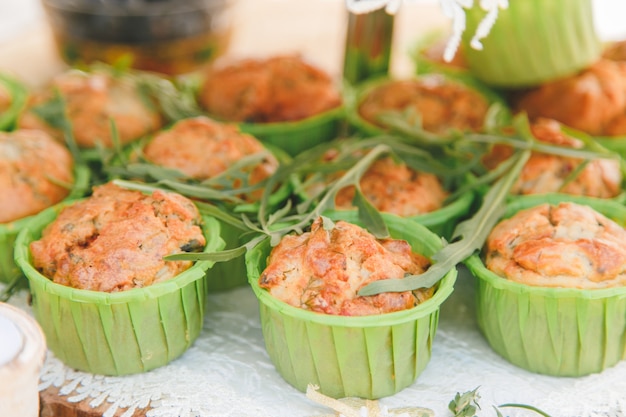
322	270
277	89
116	240
568	245
36	172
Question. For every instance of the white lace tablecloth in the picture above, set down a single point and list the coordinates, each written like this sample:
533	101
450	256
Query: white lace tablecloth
227	373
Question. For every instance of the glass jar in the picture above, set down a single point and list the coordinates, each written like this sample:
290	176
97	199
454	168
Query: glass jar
167	36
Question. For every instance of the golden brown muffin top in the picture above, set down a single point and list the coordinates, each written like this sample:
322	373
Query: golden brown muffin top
277	89
442	104
92	101
594	100
202	148
322	270
394	187
548	173
36	172
116	239
568	245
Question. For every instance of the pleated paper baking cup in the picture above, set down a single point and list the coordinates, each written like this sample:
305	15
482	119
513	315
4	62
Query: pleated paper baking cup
124	332
9	270
232	273
365	356
554	331
533	41
297	136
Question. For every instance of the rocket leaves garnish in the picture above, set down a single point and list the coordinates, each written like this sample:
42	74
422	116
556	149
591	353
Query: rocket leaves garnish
472	234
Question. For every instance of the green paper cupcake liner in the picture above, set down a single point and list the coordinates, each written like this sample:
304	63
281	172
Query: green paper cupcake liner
297	136
366	356
9	271
554	331
229	274
19	95
533	41
118	333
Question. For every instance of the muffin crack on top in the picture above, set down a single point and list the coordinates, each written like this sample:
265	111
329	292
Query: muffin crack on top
322	270
116	240
568	245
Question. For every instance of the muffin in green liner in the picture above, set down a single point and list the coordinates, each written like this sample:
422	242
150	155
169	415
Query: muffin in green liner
9	231
297	136
532	41
553	330
13	95
121	332
283	100
436	104
363	356
208	160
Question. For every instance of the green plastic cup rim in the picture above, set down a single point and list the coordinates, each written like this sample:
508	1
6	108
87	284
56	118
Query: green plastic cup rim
294	126
396	224
195	272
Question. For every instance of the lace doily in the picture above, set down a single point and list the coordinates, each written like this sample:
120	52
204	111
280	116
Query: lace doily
227	373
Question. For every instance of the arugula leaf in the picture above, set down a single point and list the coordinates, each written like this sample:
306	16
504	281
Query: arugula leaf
472	233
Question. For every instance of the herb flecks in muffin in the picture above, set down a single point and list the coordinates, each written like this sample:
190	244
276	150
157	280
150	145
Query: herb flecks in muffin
116	240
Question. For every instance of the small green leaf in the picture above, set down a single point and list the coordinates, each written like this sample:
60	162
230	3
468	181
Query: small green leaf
371	218
327	223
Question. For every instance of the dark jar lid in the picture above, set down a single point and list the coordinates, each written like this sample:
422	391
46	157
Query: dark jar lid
135	21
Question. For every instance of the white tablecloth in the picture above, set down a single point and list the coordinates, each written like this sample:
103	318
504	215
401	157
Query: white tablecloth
227	373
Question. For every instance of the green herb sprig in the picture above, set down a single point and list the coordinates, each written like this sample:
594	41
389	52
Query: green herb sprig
466	405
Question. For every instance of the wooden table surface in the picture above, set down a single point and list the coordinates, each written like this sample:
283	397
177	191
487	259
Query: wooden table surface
313	28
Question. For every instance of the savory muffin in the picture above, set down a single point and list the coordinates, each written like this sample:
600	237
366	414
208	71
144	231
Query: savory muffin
391	349
394	187
442	105
551	286
568	245
549	173
323	269
116	239
593	100
91	102
35	172
202	148
277	89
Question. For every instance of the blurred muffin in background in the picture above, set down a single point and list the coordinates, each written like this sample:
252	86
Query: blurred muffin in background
394	187
276	89
91	102
593	100
202	148
549	173
567	245
322	270
442	104
615	51
36	172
